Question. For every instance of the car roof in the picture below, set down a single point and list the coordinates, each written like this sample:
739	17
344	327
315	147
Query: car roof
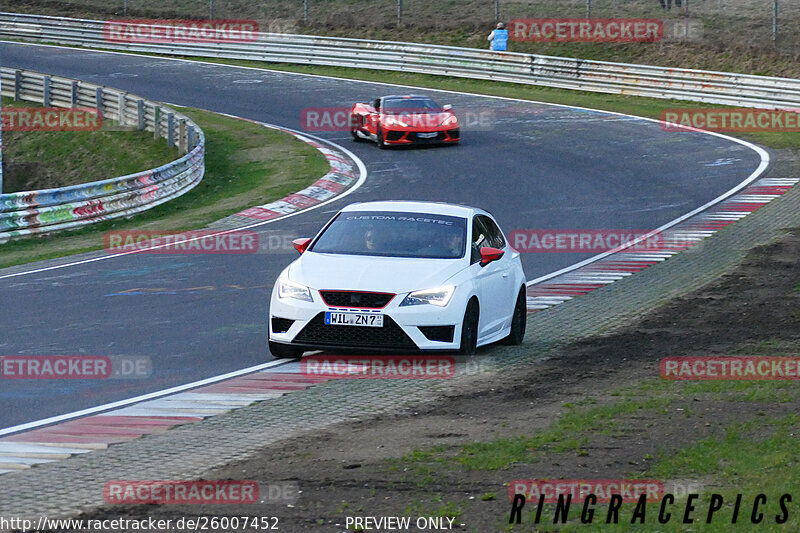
406	96
433	208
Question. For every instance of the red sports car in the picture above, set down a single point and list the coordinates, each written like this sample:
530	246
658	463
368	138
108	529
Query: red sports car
411	119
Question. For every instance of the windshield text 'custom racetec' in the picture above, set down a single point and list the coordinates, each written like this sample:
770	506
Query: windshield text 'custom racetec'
394	234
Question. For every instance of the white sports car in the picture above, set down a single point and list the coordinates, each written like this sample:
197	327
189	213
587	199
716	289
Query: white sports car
400	276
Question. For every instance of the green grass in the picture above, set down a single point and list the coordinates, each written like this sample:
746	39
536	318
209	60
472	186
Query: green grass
584	420
246	165
44	159
569	434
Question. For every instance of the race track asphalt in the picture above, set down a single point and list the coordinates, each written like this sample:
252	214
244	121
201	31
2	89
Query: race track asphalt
196	316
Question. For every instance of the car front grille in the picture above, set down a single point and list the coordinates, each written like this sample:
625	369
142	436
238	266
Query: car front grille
394	135
390	335
356	299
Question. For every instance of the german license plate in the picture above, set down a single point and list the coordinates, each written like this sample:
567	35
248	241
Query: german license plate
368	320
428	135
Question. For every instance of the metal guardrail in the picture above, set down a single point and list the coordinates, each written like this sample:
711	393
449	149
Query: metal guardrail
599	76
33	212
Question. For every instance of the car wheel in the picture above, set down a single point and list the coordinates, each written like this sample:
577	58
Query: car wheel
354	131
518	321
285	351
469	330
381	144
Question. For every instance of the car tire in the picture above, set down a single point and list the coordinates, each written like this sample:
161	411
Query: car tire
518	321
354	131
469	329
285	351
379	140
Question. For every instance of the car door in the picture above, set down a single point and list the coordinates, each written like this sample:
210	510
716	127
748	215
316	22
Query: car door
491	280
510	289
373	119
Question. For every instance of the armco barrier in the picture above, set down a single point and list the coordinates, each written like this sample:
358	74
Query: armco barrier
619	78
33	212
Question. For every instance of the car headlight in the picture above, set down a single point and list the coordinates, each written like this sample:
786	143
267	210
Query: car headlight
290	289
438	296
392	121
449	120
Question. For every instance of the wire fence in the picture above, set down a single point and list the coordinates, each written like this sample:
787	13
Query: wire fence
759	21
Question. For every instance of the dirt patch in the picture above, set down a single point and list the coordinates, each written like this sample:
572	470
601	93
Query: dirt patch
352	469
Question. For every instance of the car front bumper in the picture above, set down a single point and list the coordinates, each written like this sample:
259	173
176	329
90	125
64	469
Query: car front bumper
408	328
443	136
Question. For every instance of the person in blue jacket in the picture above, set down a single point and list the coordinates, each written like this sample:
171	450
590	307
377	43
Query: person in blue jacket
498	39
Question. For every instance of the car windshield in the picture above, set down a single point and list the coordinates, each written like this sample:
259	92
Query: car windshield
410	105
394	234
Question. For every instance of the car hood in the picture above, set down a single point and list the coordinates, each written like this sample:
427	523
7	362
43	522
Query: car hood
420	120
371	273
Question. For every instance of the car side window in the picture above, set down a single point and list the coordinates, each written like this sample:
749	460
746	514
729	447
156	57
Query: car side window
479	239
494	234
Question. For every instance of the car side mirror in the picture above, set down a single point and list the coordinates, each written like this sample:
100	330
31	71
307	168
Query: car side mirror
489	254
447	107
301	244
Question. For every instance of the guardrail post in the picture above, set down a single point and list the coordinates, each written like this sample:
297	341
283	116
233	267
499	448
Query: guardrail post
686	20
140	114
170	130
17	84
98	99
121	108
189	137
775	20
182	140
46	95
73	96
156	121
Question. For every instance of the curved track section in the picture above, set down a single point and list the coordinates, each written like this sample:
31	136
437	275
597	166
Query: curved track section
541	166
